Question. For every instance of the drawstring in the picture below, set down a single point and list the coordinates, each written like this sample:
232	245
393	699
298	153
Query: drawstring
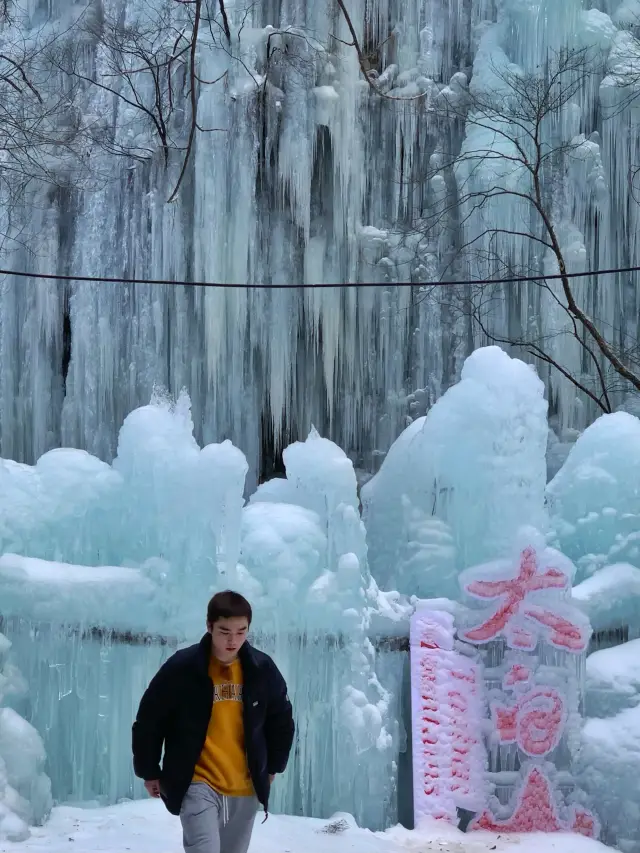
225	812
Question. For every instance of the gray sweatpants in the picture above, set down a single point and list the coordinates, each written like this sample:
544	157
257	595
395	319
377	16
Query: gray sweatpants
212	823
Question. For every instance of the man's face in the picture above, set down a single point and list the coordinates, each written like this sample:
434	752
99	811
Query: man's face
227	637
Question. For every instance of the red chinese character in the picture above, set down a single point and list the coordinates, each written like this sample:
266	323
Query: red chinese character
514	592
562	633
535	722
518	674
536	812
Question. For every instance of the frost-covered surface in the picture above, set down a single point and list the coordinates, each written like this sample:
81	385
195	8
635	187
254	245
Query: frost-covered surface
48	591
297	186
609	771
613	679
448	711
594	500
611	597
166	510
25	790
427	512
532	641
308	557
145	827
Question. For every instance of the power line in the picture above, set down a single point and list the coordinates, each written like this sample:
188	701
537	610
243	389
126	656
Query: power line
341	285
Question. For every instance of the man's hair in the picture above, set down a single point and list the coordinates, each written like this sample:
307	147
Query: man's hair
227	605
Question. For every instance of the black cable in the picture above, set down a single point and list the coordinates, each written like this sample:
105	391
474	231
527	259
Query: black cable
227	285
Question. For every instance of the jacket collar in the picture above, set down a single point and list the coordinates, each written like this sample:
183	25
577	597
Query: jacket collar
246	654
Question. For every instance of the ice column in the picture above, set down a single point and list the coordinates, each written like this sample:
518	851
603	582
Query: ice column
25	791
317	595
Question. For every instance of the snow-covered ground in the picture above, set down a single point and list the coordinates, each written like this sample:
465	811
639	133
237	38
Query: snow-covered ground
145	827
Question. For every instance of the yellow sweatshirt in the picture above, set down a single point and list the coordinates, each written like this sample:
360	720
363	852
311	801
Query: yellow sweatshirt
223	761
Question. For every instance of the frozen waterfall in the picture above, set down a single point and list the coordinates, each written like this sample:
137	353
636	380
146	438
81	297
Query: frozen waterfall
105	569
310	177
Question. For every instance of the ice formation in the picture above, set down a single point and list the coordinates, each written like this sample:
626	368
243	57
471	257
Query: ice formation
167	519
611	598
611	741
25	790
295	187
608	769
426	510
594	501
304	562
108	566
613	680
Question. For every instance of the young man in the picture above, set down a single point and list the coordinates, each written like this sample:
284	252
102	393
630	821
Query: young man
220	710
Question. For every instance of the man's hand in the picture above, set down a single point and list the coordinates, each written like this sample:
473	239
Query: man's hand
272	776
153	787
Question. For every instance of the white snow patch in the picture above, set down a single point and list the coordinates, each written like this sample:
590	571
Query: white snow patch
145	827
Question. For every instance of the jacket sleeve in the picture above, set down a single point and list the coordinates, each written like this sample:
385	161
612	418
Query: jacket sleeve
279	724
150	726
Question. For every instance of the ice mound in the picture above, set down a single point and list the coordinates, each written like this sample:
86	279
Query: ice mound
608	770
113	596
594	500
457	484
613	680
161	524
611	597
283	549
25	791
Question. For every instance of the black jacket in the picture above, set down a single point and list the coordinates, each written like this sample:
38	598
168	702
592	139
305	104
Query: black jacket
176	709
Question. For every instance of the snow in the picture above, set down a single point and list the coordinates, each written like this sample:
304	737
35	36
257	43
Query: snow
613	679
51	591
611	597
145	827
594	500
608	768
448	708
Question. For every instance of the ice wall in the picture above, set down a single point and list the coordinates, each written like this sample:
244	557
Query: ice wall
25	790
457	485
312	178
99	561
165	507
168	517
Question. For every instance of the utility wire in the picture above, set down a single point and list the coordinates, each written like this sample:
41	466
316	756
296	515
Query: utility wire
341	285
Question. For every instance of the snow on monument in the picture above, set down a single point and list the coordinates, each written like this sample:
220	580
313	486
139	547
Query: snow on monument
447	699
533	644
